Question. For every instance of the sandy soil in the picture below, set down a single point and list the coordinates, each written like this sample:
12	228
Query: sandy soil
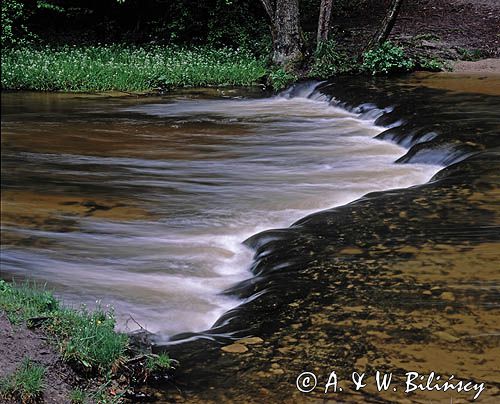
490	66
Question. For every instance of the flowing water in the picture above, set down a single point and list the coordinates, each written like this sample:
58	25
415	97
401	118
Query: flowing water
143	204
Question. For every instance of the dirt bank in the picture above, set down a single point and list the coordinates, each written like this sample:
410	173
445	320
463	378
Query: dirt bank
487	66
18	343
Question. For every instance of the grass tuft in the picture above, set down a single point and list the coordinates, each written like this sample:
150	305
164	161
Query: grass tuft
159	362
26	383
86	338
78	396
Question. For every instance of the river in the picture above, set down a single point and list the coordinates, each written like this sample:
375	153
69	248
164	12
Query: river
143	203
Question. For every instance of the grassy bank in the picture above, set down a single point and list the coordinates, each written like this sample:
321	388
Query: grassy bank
150	68
85	339
102	68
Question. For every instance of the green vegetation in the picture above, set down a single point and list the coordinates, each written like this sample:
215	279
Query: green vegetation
433	65
137	45
101	68
13	24
387	58
86	338
25	384
329	61
78	396
471	55
153	45
159	362
279	79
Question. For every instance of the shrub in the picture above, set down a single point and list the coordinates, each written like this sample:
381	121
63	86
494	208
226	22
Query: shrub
471	55
387	58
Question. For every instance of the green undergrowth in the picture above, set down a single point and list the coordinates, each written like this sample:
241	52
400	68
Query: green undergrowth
153	68
86	338
126	68
387	58
329	61
25	384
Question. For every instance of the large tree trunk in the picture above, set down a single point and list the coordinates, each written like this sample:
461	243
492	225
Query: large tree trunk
387	24
325	12
287	46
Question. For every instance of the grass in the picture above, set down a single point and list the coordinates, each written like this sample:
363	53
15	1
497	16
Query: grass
78	396
159	362
26	383
116	67
86	338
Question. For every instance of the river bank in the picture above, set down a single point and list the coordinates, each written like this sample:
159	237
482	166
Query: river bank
54	353
425	37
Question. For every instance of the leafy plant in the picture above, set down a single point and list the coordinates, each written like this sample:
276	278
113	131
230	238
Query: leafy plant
471	55
13	23
385	59
329	61
78	396
433	65
26	383
279	79
159	362
89	338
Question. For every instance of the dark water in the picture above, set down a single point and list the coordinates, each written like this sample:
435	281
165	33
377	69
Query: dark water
143	203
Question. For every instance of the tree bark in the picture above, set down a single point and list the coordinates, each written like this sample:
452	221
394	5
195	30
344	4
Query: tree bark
268	6
325	12
387	24
287	47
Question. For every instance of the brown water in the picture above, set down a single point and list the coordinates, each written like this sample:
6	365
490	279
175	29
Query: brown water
143	203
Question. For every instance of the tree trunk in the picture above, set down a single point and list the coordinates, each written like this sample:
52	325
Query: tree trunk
268	6
325	12
287	47
386	27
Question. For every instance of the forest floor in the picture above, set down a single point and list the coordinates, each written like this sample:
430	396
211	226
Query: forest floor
444	29
458	25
